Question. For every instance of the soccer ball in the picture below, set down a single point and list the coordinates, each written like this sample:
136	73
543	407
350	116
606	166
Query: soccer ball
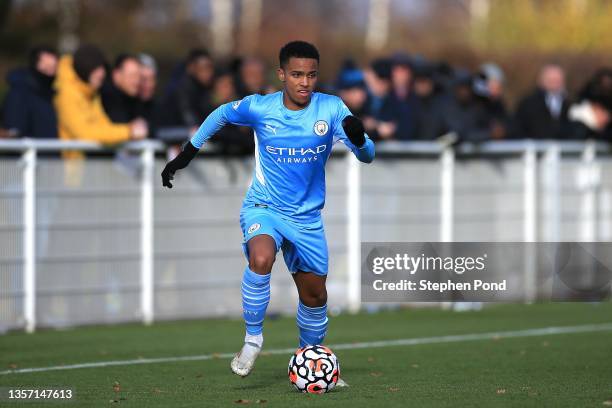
314	369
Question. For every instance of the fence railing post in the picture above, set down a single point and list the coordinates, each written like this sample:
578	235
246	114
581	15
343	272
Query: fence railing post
530	229
551	199
589	185
353	206
447	164
146	233
29	238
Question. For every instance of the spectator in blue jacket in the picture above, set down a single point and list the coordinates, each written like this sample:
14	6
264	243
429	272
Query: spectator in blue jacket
28	108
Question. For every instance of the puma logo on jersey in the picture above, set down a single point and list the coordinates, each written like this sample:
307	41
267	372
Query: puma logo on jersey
271	128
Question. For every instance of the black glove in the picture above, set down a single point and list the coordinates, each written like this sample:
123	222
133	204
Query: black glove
181	161
353	127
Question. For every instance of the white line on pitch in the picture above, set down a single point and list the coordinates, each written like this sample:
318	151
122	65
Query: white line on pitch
544	331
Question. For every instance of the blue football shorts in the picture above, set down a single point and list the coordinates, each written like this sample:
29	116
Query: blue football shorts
303	243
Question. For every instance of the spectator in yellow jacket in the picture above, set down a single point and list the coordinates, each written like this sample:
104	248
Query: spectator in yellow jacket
78	105
79	109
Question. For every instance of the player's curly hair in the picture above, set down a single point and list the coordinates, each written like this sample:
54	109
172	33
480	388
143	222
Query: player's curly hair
297	49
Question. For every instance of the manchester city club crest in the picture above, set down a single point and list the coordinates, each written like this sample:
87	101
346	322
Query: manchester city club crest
321	127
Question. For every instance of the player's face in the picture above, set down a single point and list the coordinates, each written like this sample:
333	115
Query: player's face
300	78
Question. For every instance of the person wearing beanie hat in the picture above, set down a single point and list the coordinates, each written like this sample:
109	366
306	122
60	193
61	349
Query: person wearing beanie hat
351	88
77	101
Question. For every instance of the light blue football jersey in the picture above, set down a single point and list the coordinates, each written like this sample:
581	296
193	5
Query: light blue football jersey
291	148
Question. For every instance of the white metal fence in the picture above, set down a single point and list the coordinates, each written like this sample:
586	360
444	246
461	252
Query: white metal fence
100	241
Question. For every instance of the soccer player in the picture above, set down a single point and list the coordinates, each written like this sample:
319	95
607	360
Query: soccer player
294	132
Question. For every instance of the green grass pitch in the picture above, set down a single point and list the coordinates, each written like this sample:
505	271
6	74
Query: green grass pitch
557	370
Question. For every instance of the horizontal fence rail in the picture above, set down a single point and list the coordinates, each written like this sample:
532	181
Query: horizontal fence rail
100	241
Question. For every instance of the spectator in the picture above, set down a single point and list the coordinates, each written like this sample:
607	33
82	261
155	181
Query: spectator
252	78
462	114
429	99
146	90
543	113
120	93
490	82
189	102
28	108
402	98
591	116
79	109
231	139
351	88
379	120
489	86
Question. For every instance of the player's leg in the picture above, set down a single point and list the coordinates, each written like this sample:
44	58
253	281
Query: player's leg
305	253
312	310
256	283
260	248
312	307
255	299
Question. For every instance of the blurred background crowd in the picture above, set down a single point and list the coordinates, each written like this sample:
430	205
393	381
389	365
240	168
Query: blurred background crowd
91	93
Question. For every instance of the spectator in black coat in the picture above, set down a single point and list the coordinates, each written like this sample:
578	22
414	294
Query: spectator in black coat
543	113
429	99
463	113
28	108
402	97
120	93
489	87
380	118
190	101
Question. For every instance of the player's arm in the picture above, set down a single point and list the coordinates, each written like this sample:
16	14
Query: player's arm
355	132
237	113
349	130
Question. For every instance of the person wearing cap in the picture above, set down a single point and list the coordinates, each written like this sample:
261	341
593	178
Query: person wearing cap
78	105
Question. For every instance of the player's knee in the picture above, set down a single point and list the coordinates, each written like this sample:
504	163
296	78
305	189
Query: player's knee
261	263
315	299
